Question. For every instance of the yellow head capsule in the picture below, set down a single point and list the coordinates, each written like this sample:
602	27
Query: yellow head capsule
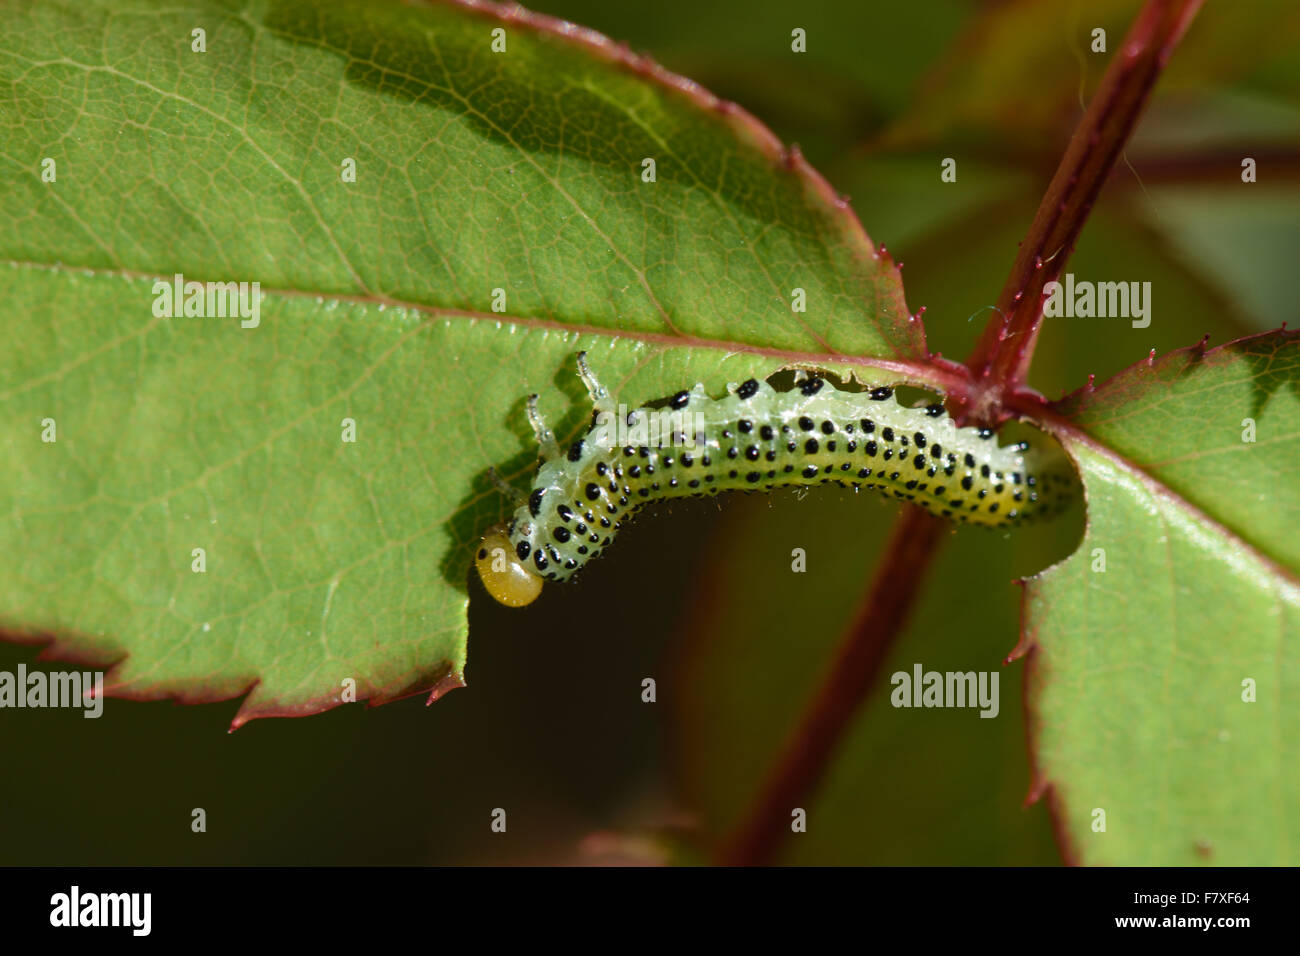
504	576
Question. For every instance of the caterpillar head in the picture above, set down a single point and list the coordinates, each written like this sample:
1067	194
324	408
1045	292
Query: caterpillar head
504	575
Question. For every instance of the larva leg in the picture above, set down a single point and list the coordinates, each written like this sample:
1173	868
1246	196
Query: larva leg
507	489
545	437
599	393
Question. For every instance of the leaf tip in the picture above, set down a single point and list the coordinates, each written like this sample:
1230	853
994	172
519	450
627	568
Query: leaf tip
452	681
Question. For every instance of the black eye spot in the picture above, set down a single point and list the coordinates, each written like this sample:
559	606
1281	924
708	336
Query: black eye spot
522	549
868	425
732	452
810	471
806	423
918	462
535	501
828	428
745	425
887	434
575	450
919	439
985	433
812	386
687	460
593	492
753	477
748	388
564	511
561	534
482	553
681	399
767	433
752	453
634	471
880	394
970	460
984	470
967	483
934	411
871	448
810	446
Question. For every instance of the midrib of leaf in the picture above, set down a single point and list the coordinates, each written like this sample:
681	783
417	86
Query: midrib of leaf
892	371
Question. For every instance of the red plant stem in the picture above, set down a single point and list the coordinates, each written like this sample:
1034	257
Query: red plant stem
806	754
999	364
1001	359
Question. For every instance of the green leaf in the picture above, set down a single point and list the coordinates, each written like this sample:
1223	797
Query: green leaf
1164	656
475	171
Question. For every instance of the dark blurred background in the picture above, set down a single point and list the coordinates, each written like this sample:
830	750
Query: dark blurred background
554	730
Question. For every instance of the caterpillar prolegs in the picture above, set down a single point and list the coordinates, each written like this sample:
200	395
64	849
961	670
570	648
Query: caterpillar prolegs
755	439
